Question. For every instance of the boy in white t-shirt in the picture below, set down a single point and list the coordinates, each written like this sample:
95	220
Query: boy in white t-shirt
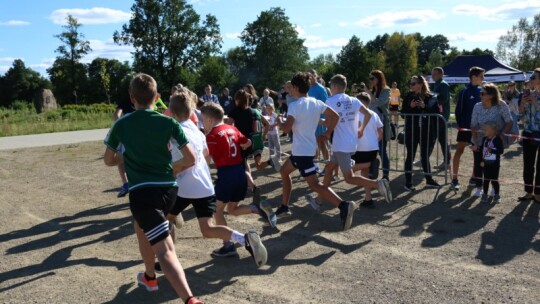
195	183
346	136
368	146
303	117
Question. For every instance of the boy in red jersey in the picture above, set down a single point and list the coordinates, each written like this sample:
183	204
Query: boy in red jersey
224	144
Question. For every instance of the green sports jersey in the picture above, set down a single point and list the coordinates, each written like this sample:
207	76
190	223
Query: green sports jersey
256	135
145	136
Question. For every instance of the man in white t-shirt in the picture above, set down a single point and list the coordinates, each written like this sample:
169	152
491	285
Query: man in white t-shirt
368	146
303	118
344	142
196	186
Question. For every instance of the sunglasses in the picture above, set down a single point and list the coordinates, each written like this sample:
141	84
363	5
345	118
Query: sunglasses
413	83
484	93
373	78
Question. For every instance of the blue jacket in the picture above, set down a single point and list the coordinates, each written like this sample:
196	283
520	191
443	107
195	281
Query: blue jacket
467	98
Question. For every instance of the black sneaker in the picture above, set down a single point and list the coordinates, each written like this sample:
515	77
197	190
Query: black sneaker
409	188
256	248
432	183
346	212
472	182
455	185
227	250
283	211
368	204
124	191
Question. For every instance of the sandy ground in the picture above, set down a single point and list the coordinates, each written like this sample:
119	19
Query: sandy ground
66	238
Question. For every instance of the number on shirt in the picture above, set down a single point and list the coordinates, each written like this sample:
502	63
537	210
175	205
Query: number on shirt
233	149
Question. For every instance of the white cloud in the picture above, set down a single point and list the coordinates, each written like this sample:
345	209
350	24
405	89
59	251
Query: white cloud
96	15
232	35
482	36
405	18
4	69
8	59
318	43
301	32
508	11
316	25
14	23
342	24
110	50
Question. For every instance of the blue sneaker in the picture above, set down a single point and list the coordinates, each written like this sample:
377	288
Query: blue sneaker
124	191
265	210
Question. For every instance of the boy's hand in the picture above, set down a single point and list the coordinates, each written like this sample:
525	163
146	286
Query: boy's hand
360	132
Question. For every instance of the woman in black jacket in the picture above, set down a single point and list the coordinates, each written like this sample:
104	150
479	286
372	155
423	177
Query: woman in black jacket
419	129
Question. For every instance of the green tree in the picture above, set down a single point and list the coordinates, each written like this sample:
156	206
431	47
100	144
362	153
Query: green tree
272	50
20	83
378	44
520	46
62	75
325	65
168	36
214	72
436	59
477	52
401	58
354	61
73	49
105	78
427	45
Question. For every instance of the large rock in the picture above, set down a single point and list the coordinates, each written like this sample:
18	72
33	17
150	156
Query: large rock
44	101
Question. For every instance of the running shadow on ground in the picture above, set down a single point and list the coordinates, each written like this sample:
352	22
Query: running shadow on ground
513	236
64	231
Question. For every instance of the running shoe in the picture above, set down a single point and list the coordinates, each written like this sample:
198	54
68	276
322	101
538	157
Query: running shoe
123	191
256	248
227	250
283	211
484	198
455	185
194	300
368	204
346	212
478	192
472	182
150	285
432	183
313	202
409	188
267	212
384	189
496	199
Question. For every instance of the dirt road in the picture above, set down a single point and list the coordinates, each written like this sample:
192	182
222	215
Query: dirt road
66	238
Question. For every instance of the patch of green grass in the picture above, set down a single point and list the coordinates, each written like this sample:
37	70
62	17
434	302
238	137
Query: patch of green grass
24	120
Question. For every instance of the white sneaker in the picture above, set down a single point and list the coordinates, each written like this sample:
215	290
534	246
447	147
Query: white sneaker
478	192
256	248
384	189
313	202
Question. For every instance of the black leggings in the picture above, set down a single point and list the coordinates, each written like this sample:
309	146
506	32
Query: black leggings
413	138
477	169
531	168
491	174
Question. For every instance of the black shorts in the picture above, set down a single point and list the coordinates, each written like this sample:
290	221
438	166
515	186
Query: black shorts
149	207
394	108
304	164
362	157
464	136
204	207
231	184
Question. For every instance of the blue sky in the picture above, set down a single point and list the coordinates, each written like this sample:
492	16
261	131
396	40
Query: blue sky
27	27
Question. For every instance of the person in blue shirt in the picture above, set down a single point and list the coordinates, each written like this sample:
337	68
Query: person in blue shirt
317	91
208	96
467	98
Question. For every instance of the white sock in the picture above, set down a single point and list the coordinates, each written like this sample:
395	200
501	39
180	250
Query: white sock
238	237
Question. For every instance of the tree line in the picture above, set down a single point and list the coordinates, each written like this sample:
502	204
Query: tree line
176	45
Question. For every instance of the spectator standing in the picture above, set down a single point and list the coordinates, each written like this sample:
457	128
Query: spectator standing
511	96
208	96
395	97
380	99
441	90
467	99
226	101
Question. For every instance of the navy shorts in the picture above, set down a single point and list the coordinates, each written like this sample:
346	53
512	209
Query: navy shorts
362	157
231	183
304	164
204	207
149	207
464	136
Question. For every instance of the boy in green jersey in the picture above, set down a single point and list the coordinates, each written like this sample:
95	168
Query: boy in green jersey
145	135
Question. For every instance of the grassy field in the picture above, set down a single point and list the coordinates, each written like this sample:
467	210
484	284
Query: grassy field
22	119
